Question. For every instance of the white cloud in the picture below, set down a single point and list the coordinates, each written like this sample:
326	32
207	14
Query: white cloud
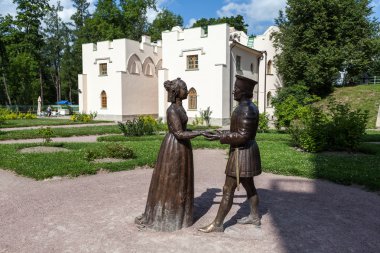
376	8
152	14
191	22
254	12
8	7
375	3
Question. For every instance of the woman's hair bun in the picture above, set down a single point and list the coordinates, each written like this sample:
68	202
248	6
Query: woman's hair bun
168	85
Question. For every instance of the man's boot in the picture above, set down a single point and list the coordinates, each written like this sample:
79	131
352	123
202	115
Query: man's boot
224	208
253	217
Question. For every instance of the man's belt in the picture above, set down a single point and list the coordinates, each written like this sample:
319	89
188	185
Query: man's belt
237	169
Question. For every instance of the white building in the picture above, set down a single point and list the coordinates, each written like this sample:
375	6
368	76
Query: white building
208	62
268	85
119	79
124	78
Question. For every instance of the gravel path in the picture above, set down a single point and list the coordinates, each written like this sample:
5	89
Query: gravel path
58	126
88	138
96	214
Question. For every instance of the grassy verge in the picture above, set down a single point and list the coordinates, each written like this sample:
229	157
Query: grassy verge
73	163
276	153
372	136
365	97
260	137
60	132
68	132
42	122
343	168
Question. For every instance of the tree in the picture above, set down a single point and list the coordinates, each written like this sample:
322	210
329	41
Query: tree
82	13
25	51
165	20
237	22
106	22
71	67
317	39
4	58
135	22
72	53
54	33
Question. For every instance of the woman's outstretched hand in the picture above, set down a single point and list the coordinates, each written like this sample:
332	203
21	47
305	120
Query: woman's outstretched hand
212	136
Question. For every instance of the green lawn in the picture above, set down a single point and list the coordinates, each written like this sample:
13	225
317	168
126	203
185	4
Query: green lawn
372	136
60	132
276	153
365	97
68	132
42	122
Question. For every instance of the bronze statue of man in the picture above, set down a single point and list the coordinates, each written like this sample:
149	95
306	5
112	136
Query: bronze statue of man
244	157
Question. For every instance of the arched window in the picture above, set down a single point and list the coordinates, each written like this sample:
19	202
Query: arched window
269	99
158	66
134	69
192	98
134	65
148	70
269	68
148	67
103	98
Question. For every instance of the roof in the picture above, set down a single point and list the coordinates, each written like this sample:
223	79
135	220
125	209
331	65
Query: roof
248	49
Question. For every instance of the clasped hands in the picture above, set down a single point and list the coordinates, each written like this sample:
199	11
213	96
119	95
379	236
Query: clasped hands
209	135
212	135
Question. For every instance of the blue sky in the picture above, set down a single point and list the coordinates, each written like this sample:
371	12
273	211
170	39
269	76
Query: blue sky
259	14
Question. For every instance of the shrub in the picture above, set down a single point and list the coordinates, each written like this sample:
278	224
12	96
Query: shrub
263	123
150	125
114	150
4	111
289	103
46	134
340	128
206	115
91	155
6	114
11	116
143	125
117	150
310	131
347	126
198	121
30	115
83	117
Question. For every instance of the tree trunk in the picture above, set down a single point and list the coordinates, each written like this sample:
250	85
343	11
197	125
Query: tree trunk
6	89
55	85
70	95
42	88
59	86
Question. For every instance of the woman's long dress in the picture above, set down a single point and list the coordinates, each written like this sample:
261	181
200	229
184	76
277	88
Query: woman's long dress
170	200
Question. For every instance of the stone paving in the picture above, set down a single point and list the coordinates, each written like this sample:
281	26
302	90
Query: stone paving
96	214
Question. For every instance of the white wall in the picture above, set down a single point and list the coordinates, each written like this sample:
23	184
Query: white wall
127	95
209	79
247	58
130	94
273	81
140	92
82	87
213	80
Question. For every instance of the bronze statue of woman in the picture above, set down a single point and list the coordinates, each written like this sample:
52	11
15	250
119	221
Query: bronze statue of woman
170	200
